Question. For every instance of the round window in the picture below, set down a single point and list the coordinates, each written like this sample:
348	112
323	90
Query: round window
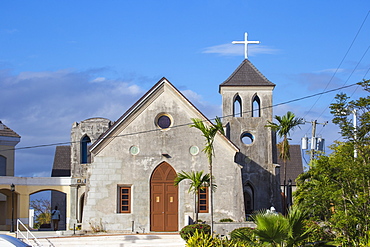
247	138
194	150
164	122
134	150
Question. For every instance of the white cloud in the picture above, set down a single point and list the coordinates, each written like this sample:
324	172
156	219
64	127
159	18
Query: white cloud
41	107
237	50
99	79
331	71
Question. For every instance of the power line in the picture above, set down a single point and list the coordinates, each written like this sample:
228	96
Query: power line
187	124
363	55
340	64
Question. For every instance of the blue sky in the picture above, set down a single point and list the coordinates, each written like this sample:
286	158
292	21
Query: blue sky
65	61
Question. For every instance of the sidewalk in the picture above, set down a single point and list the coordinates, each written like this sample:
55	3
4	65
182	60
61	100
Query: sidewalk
61	238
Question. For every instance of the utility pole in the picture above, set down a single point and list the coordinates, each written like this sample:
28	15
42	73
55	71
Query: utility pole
313	138
355	131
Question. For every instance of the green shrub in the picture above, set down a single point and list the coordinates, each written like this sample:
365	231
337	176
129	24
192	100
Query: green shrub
189	230
201	239
226	220
319	233
243	233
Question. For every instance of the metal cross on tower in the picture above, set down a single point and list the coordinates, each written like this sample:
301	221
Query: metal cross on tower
246	42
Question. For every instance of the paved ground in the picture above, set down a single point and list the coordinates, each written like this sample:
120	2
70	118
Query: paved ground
52	238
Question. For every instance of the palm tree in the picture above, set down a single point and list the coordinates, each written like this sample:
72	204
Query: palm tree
271	228
197	182
283	231
286	124
209	133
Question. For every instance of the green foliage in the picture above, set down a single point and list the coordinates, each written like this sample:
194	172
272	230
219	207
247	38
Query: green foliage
226	220
271	228
320	233
336	188
298	231
201	239
189	230
209	134
197	181
285	125
278	230
244	233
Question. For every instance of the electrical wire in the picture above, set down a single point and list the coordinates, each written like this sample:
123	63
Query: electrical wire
340	64
187	124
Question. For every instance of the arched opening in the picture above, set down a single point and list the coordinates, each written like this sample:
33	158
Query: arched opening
237	106
2	166
163	199
81	208
41	206
85	154
256	106
248	199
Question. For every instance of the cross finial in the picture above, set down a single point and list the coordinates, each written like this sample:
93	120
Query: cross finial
246	42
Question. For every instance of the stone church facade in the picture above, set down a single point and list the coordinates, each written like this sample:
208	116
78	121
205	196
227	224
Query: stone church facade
123	171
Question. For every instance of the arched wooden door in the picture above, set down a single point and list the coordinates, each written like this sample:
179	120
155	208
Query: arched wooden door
163	199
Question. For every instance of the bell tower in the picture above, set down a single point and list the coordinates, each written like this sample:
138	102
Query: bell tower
246	106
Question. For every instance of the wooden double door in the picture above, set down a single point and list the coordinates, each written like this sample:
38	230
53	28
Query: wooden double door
163	199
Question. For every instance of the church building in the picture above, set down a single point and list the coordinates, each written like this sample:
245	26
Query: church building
123	171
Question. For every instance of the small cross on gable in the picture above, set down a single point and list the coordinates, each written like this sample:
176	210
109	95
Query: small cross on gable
246	42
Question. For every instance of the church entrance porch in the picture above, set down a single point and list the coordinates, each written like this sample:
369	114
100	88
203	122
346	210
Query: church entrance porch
163	199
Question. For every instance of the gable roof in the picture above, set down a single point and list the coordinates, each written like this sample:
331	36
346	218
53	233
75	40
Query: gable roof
62	162
144	99
246	75
294	165
6	131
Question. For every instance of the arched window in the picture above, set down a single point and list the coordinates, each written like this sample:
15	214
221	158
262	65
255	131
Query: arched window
237	107
256	106
248	199
2	166
85	154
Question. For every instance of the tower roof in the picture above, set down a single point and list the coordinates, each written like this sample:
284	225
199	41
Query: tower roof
246	75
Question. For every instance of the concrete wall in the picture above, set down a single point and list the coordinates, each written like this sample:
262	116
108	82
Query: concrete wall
114	165
259	157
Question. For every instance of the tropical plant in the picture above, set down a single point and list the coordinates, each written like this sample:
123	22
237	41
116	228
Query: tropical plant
298	232
189	230
244	233
278	230
209	134
285	125
197	182
336	188
201	239
271	228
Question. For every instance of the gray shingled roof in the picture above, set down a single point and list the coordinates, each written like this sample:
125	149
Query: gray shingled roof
62	162
247	75
294	165
6	131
